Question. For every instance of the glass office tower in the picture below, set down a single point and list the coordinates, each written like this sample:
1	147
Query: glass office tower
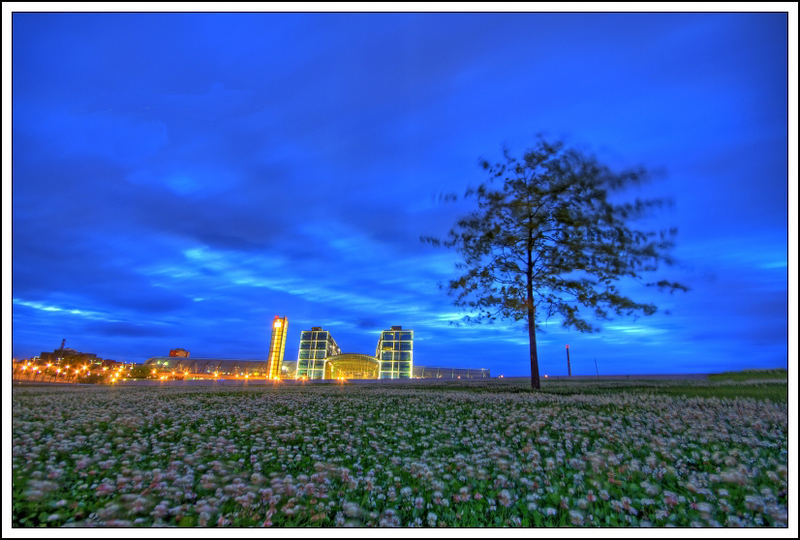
316	345
277	345
396	353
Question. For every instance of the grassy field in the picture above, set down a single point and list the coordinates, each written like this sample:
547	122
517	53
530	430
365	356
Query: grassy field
750	375
720	388
425	453
763	385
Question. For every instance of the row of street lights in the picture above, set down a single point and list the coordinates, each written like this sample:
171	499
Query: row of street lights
31	371
36	372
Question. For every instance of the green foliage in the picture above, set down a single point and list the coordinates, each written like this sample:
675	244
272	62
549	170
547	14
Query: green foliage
93	378
749	374
772	392
708	389
140	371
552	224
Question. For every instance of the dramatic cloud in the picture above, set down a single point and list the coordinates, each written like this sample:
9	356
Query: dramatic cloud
179	179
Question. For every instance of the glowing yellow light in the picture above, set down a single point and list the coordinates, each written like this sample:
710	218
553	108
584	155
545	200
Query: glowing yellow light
24	368
277	324
48	365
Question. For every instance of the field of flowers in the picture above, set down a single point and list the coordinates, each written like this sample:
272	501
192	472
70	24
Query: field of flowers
393	455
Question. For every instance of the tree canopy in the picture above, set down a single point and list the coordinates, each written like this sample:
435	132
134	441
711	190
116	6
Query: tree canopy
549	240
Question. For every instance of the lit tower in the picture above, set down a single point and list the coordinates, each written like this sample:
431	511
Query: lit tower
277	344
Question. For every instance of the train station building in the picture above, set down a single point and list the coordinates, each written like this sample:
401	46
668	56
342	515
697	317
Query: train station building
319	358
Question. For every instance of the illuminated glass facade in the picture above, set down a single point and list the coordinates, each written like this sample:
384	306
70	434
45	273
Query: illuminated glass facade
352	366
396	353
277	345
316	346
320	357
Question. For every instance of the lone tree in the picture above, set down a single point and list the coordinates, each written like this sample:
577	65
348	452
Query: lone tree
550	241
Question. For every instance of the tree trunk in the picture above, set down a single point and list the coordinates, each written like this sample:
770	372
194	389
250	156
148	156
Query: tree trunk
535	384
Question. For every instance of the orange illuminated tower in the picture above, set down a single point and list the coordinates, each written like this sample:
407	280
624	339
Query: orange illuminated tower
277	344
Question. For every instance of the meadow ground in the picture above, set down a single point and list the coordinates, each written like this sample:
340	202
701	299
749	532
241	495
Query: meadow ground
584	452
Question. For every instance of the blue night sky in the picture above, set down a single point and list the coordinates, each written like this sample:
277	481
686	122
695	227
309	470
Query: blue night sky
179	179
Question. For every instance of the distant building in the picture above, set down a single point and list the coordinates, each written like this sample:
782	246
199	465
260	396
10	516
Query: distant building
69	356
423	372
320	357
352	366
396	353
316	345
208	366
